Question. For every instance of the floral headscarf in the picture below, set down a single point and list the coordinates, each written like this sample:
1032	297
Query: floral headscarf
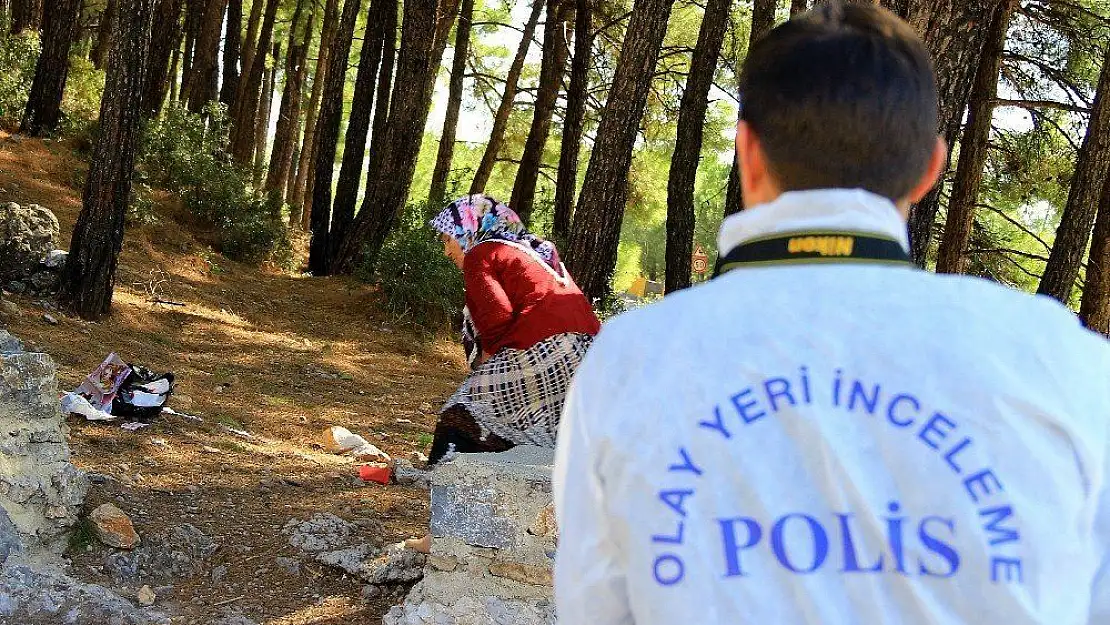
477	218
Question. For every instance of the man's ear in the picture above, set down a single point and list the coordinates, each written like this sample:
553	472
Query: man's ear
756	181
937	164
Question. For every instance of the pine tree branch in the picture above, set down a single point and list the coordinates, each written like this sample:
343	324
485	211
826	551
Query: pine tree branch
1041	104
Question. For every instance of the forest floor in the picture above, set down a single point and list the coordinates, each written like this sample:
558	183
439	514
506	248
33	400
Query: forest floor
280	356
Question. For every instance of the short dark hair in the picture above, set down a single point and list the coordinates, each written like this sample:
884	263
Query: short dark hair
843	96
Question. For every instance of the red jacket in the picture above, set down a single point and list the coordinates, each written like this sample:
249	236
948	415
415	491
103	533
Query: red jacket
516	301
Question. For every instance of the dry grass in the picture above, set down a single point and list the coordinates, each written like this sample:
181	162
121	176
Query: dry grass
281	356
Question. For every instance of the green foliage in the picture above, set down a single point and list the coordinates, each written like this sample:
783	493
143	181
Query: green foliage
140	211
84	89
18	55
183	154
419	283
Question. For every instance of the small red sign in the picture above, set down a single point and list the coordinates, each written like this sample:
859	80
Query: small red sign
700	261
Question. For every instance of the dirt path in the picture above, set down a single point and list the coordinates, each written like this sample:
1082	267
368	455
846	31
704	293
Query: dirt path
279	356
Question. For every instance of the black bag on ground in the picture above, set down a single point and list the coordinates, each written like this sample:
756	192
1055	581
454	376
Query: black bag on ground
143	394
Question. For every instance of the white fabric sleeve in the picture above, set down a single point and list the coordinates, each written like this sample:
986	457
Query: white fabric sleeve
589	582
1100	585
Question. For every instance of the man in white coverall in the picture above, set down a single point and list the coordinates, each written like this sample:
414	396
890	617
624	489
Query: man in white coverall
825	433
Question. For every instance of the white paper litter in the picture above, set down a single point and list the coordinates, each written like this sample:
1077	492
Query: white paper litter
73	403
132	426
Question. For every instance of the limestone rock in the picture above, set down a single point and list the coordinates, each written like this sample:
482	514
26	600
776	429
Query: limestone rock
30	596
146	596
397	565
113	527
28	234
323	532
8	343
41	493
178	552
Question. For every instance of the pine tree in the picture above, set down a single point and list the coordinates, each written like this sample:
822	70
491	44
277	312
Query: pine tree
571	145
688	144
592	254
446	151
501	118
1091	171
233	42
327	138
165	38
289	111
90	272
44	105
104	35
205	65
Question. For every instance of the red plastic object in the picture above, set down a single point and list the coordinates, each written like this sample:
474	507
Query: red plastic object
374	473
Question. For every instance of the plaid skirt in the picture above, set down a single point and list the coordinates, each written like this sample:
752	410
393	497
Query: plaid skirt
518	395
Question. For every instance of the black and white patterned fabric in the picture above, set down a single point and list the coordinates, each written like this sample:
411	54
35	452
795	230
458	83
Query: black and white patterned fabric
518	395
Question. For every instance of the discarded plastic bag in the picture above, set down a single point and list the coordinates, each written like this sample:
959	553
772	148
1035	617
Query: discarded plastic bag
72	403
340	440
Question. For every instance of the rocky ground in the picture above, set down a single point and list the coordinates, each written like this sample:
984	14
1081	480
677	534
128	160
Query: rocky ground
243	516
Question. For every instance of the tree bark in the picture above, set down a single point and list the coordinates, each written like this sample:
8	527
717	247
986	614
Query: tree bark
592	254
798	6
165	38
262	130
358	124
552	67
250	44
194	13
233	41
571	145
304	170
90	272
385	76
1094	309
426	25
763	20
242	132
954	34
501	118
205	67
1091	170
446	151
286	135
27	14
44	103
327	138
952	255
104	35
175	64
688	144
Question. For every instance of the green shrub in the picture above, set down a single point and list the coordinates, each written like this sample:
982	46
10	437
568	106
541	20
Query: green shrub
419	283
186	155
18	55
84	90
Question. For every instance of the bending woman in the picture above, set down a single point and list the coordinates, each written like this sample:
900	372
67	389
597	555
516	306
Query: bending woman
526	328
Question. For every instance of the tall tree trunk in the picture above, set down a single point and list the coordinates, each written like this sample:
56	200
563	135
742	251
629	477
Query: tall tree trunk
688	144
27	14
446	151
954	33
104	35
90	273
233	41
798	6
552	67
501	119
242	132
175	64
385	75
205	66
194	14
952	255
165	39
426	25
45	101
592	254
327	138
358	124
289	112
262	130
763	20
577	93
304	170
250	44
1095	307
1091	170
